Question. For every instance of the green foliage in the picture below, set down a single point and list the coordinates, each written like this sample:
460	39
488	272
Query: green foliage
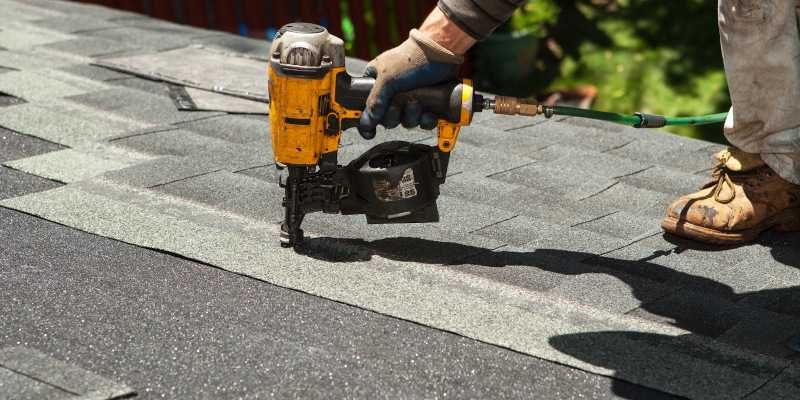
348	29
643	55
532	18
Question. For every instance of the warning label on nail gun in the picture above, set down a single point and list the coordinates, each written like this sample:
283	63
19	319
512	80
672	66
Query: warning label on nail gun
405	189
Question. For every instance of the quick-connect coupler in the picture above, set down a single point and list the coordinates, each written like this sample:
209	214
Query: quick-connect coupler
514	106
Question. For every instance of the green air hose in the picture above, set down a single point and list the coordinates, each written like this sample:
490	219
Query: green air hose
638	120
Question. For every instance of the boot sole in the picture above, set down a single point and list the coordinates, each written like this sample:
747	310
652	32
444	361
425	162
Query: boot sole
786	221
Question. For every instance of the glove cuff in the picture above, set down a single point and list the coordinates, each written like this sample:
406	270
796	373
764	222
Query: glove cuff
434	51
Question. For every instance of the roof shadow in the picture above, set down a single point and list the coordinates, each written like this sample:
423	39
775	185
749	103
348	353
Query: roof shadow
695	303
704	307
680	364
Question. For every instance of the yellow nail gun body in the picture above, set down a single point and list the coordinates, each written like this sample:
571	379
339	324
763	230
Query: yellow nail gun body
313	99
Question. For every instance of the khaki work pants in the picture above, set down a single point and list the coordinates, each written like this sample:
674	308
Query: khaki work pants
761	51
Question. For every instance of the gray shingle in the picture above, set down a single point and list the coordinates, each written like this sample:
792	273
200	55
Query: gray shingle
45	84
38	58
519	230
624	225
92	46
474	187
466	216
746	269
609	290
94	72
506	122
465	157
92	10
619	196
551	254
557	182
697	312
17	35
165	28
666	180
267	173
571	242
772	299
175	142
228	157
635	260
236	157
744	281
18	11
428	243
145	85
671	151
789	305
235	129
64	122
214	188
609	127
145	38
353	146
16	146
74	23
57	373
526	201
589	162
262	203
254	48
783	386
763	333
8	100
601	137
19	386
521	268
72	165
138	106
18	183
160	171
485	136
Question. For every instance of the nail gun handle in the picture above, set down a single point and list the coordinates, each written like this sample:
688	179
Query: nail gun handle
445	100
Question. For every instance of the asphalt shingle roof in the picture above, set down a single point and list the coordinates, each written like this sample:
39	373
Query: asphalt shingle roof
549	242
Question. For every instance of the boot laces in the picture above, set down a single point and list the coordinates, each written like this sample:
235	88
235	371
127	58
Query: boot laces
721	175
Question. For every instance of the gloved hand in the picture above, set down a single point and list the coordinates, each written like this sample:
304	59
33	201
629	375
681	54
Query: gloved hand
417	62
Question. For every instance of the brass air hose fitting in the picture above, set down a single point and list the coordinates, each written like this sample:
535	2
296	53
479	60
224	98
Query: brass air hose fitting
513	106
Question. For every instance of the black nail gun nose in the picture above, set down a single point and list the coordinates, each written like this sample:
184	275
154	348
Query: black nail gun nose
313	99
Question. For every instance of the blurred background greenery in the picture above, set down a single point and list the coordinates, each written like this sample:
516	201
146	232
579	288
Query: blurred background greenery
652	56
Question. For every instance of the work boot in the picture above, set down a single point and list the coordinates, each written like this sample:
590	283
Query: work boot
745	198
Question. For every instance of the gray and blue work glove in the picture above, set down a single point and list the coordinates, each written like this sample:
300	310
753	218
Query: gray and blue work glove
417	62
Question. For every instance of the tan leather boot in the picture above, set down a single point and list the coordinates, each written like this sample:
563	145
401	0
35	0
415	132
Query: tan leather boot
745	198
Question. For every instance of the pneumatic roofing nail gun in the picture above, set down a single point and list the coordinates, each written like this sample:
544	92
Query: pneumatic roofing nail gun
313	99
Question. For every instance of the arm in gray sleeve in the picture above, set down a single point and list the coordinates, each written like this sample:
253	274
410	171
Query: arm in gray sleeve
478	18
